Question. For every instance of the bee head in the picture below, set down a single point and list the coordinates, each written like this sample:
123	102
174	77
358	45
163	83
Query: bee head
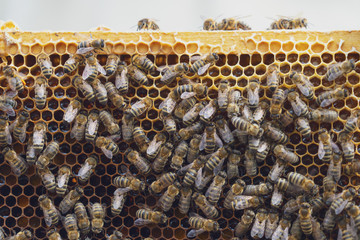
215	56
28	234
304	22
79	190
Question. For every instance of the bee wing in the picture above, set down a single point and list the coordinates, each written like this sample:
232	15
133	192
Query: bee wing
327	102
22	136
189	114
12	83
193	214
74	129
305	90
153	146
11	94
194	232
140	104
107	153
207	193
259	230
47	218
11	127
286	234
167	75
87	87
8	135
141	221
84	50
242	198
101	88
253	96
199	177
321	151
218	168
195	58
185	168
335	147
47	64
341	207
218	141
263	146
62	180
40	90
121	191
92	126
331	76
84	169
100	68
70	61
203	69
8	109
118	201
87	71
121	79
207	111
187	95
276	198
258	114
70	114
296	107
202	142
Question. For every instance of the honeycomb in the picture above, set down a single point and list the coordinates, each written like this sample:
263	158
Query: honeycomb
243	55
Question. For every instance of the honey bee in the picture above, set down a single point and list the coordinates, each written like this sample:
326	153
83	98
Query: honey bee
214	191
90	45
97	213
276	171
327	98
339	69
352	167
51	215
260	112
140	107
71	227
114	95
329	186
202	63
329	221
100	92
117	235
210	139
84	87
191	115
128	182
210	25
5	136
117	202
259	189
48	155
208	112
296	231
168	105
347	146
190	90
111	64
335	166
7	103
170	125
215	161
109	122
17	163
224	130
147	216
48	178
305	218
233	164
250	163
78	129
70	199
191	173
325	150
87	168
168	198
185	200
143	63
338	205
273	77
137	75
351	123
201	225
354	212
170	73
233	105
300	108
292	189
284	154
18	127
92	68
271	223
275	134
322	115
244	225
209	210
244	125
258	229
179	155
262	151
73	62
276	198
190	131
14	78
108	146
82	218
183	107
253	93
243	202
303	84
92	125
45	65
277	102
162	158
163	182
303	126
62	179
147	24
140	163
301	181
289	23
40	92
345	231
121	79
318	204
127	127
236	189
141	139
52	234
232	24
155	145
282	231
287	117
22	235
193	151
72	110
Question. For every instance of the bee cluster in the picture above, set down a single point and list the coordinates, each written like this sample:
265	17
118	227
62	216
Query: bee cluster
204	146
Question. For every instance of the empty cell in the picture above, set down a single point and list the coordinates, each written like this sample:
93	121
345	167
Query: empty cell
351	102
340	57
35	71
309	71
293	57
275	46
317	47
263	47
18	60
255	59
225	71
249	71
260	70
268	58
280	57
296	67
304	58
288	46
232	59
285	68
213	71
302	46
244	60
321	70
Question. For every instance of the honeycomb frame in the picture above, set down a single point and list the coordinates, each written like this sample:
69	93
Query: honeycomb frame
243	55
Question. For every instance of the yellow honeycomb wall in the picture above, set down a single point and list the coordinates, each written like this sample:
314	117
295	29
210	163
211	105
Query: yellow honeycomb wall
243	55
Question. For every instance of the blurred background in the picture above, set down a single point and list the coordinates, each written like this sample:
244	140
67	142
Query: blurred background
174	15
